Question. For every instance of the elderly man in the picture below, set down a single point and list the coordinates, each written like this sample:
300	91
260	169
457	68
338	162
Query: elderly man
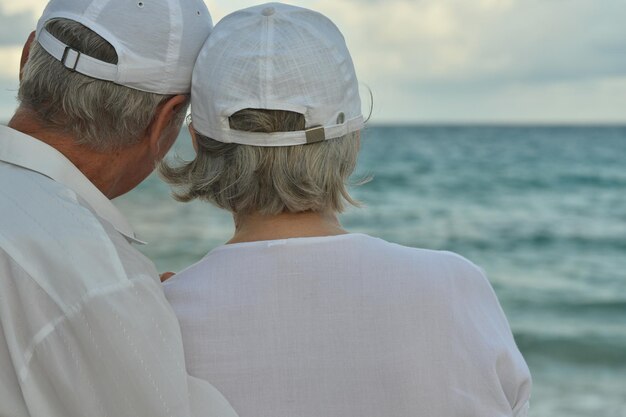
85	329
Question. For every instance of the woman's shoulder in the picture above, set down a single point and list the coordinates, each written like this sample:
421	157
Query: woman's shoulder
411	255
442	269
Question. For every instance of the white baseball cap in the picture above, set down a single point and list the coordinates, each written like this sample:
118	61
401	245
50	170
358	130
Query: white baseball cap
157	41
276	57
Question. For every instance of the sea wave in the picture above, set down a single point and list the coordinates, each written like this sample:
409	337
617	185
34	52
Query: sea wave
581	349
511	240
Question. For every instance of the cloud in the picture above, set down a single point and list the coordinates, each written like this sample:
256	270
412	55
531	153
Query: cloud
497	40
488	59
8	103
593	101
453	60
11	58
32	6
14	27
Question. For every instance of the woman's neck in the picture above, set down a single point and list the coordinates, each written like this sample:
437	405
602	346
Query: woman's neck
255	227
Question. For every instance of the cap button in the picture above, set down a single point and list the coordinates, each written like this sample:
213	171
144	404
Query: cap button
269	11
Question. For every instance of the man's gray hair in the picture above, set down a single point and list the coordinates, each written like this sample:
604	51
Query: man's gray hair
100	114
268	180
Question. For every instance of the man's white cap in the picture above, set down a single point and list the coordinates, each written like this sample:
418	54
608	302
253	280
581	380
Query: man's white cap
276	57
157	41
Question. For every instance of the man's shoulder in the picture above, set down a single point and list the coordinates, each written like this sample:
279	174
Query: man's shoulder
55	239
38	210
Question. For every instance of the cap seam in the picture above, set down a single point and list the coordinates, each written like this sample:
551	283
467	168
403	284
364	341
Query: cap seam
264	67
176	18
94	9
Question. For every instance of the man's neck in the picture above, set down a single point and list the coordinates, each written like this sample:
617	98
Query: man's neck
101	168
255	227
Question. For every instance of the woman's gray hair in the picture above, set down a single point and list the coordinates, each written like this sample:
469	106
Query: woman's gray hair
100	114
268	180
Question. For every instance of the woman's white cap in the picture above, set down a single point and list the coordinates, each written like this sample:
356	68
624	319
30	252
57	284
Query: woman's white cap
157	41
276	57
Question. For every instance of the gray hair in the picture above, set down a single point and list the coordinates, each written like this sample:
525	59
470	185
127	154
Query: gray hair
248	179
100	114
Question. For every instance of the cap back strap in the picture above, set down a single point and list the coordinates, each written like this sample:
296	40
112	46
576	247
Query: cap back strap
76	61
301	137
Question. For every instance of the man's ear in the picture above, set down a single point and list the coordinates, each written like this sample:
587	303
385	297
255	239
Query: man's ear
161	140
26	52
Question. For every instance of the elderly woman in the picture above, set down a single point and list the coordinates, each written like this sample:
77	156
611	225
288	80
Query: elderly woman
295	316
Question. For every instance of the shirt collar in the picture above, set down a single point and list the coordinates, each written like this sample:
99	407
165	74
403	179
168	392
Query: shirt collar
19	149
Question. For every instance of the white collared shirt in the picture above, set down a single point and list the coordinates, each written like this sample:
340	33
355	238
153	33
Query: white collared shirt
85	329
349	326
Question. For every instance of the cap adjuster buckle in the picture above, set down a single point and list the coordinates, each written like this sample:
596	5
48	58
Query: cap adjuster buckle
66	54
315	134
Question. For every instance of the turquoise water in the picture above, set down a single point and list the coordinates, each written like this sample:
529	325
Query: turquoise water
542	210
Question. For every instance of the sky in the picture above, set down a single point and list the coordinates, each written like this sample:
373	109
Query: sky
447	61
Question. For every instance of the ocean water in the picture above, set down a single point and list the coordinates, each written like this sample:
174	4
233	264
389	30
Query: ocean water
541	209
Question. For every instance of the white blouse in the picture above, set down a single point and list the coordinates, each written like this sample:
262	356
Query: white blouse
348	326
85	329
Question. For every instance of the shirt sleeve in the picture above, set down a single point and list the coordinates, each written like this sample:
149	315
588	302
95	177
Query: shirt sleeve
116	353
490	353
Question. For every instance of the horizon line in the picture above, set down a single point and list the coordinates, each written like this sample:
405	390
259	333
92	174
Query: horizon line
481	123
487	123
